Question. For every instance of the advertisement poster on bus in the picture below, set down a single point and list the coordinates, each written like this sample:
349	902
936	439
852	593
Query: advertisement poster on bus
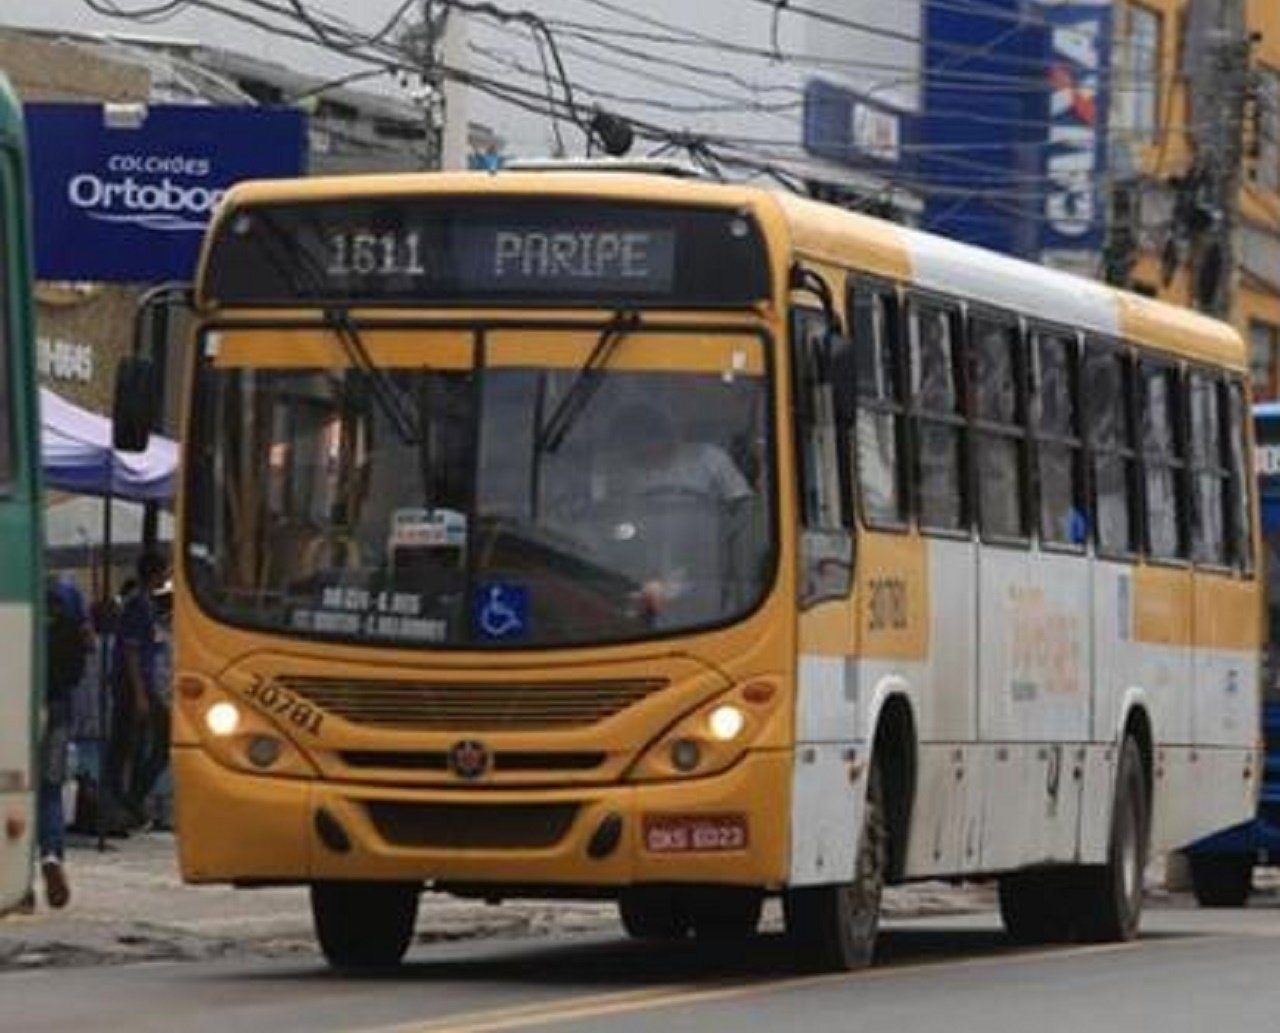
123	194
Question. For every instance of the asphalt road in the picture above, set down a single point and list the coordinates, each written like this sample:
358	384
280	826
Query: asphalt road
1200	971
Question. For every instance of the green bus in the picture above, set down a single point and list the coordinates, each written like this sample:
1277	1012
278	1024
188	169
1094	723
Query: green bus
21	539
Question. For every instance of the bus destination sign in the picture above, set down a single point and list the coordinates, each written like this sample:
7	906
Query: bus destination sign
416	251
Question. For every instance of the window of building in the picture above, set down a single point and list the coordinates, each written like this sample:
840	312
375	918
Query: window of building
1106	399
1135	93
1267	170
1164	468
1209	470
880	431
1264	358
1059	467
936	402
999	435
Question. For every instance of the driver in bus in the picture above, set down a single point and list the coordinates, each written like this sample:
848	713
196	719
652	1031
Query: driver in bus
683	502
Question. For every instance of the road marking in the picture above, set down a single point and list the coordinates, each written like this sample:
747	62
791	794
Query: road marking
596	1006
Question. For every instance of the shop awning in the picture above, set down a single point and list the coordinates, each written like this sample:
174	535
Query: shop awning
76	451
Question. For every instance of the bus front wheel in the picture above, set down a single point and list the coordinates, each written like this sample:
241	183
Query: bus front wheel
835	927
654	913
1222	881
364	926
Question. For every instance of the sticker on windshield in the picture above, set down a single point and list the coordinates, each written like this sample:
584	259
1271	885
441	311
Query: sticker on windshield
428	528
500	611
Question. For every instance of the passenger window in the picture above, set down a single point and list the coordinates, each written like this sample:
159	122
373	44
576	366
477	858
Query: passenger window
816	431
1209	471
1164	471
1059	456
939	418
999	426
1239	509
1106	401
880	430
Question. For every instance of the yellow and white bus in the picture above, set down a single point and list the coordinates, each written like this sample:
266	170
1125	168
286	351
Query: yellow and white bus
617	534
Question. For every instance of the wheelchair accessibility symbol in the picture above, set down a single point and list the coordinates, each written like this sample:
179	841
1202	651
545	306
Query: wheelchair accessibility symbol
501	611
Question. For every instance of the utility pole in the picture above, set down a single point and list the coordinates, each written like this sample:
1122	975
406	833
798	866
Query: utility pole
422	42
1218	50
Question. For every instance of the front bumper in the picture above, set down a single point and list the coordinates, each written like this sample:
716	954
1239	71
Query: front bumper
238	827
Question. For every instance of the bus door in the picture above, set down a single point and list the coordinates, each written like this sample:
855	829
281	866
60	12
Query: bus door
17	617
1033	593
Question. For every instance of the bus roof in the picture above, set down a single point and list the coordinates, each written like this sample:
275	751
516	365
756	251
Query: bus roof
833	235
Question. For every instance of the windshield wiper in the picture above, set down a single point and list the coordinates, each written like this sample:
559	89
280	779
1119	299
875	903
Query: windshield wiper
584	385
403	419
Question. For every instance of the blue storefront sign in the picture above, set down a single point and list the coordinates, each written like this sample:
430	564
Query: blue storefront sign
127	199
856	130
1078	67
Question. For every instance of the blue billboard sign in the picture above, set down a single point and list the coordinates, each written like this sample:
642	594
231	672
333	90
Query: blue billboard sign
126	199
853	129
1078	67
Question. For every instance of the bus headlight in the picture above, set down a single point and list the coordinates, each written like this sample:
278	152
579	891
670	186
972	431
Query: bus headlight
726	722
713	737
222	719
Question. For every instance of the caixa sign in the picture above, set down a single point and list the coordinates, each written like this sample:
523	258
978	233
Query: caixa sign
1078	65
126	197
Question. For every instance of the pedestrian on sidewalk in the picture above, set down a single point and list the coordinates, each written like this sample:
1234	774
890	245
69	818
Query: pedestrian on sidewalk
68	641
140	717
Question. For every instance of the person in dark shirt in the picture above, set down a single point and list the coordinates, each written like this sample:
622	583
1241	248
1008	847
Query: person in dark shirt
68	642
140	718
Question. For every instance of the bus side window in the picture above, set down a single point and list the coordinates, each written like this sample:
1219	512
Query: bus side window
1108	416
1163	461
1239	508
1000	437
823	467
1056	419
880	429
1210	471
938	411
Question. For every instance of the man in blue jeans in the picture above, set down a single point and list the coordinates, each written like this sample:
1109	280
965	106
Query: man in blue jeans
68	641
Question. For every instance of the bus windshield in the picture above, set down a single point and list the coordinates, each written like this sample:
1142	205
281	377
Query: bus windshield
480	493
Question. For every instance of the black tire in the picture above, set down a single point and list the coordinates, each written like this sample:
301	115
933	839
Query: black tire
364	926
1222	881
1036	906
1108	898
725	915
834	927
654	914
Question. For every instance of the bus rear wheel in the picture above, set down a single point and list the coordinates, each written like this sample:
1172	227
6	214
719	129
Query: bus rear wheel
1108	897
654	913
1222	881
364	926
835	926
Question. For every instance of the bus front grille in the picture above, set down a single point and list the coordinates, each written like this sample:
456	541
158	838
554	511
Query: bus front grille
472	826
427	706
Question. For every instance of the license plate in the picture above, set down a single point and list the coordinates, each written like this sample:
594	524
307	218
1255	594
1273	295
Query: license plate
681	834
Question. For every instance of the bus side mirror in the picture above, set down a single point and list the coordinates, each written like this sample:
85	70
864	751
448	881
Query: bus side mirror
133	411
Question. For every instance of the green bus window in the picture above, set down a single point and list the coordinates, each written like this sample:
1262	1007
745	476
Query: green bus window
8	217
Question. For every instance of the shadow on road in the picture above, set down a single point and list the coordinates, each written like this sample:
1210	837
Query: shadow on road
619	964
